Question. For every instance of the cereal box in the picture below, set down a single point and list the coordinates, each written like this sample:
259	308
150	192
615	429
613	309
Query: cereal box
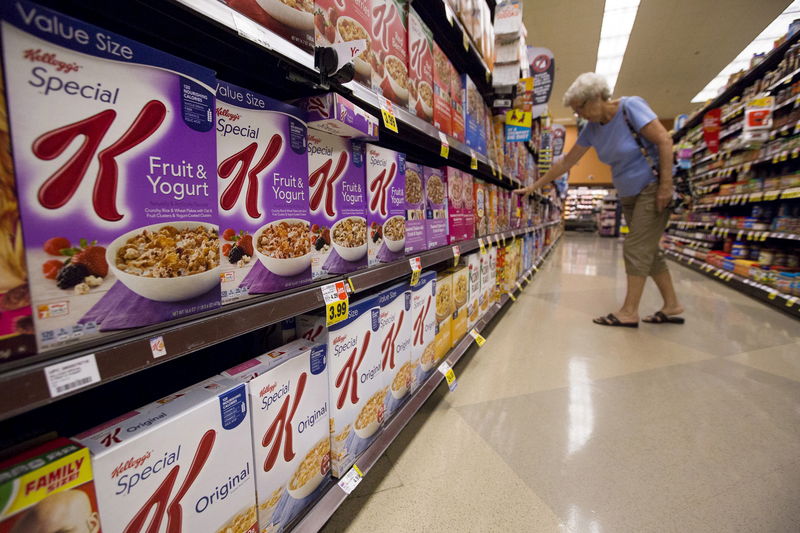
416	222
474	299
485	298
474	120
493	291
492	209
49	488
460	287
468	228
114	151
457	125
341	21
263	194
420	67
396	363
423	319
338	204
333	113
291	19
444	313
312	327
437	228
288	392
386	197
442	117
390	50
182	463
456	206
479	199
357	383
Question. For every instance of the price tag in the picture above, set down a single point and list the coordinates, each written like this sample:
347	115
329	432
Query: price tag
479	339
157	347
511	295
488	75
491	165
250	30
449	375
772	295
465	41
336	302
749	236
519	285
416	268
482	246
351	480
449	14
445	149
784	156
350	284
456	255
387	111
763	236
775	159
739	236
519	212
473	162
791	301
71	375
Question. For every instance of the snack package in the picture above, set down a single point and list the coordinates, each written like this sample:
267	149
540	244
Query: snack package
420	67
442	117
437	226
396	363
341	21
416	222
292	20
423	332
390	49
386	223
333	113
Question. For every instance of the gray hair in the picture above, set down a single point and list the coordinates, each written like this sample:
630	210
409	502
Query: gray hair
586	87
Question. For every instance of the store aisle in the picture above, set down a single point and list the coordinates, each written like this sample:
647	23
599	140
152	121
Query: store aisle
561	425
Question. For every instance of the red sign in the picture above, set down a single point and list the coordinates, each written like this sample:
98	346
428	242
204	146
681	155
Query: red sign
711	126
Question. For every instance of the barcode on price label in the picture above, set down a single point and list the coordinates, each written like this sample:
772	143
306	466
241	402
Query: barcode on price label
71	375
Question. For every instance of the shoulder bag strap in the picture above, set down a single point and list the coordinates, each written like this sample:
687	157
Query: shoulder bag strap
638	140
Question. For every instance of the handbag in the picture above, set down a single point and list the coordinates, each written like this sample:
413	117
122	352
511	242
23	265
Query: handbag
683	192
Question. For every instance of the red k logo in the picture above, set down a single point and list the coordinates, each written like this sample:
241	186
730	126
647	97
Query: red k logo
243	160
348	376
279	433
383	14
419	324
315	103
378	188
322	181
111	438
313	333
389	342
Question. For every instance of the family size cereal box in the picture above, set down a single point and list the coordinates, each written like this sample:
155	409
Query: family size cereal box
444	313
468	210
457	125
420	67
442	117
390	49
396	363
338	204
437	228
386	204
460	287
292	20
357	383
423	329
49	488
333	113
485	297
479	199
114	150
288	391
181	464
474	119
474	299
312	327
341	21
416	221
263	194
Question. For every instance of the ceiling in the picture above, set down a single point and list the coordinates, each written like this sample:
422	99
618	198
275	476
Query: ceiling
675	49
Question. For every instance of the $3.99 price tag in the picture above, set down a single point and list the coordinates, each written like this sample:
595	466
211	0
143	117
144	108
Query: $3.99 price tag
336	302
449	375
416	268
387	111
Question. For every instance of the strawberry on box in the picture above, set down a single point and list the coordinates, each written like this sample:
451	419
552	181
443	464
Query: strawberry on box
390	54
441	91
420	67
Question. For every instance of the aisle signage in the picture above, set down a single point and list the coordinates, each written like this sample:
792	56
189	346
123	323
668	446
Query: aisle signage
479	339
416	268
387	111
758	120
445	149
449	375
71	375
543	70
711	127
351	480
336	302
456	255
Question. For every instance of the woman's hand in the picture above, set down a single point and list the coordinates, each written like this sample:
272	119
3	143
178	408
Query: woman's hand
524	191
664	196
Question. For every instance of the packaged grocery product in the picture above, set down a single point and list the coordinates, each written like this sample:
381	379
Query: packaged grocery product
457	126
341	21
442	117
333	113
390	49
266	244
49	488
292	20
474	299
416	236
485	298
460	287
357	383
337	203
444	313
288	393
474	120
493	290
468	209
423	333
120	229
183	463
459	189
492	208
386	224
395	334
420	67
437	228
479	200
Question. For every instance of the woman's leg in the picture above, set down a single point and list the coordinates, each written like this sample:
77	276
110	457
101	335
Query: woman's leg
629	312
671	304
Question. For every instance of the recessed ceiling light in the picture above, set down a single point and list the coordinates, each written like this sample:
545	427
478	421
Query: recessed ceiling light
618	19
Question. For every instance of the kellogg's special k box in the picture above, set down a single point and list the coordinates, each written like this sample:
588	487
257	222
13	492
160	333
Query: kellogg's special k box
396	364
386	204
341	21
420	67
114	153
333	113
423	327
390	52
436	229
416	234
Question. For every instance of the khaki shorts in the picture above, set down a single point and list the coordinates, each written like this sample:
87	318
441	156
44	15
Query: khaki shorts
641	250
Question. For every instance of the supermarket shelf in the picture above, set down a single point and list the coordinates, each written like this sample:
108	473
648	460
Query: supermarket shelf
750	235
334	496
762	196
783	302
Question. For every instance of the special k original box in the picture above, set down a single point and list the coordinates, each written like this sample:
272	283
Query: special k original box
436	228
288	391
338	204
183	463
341	21
389	47
386	204
333	113
114	150
420	67
473	302
396	364
416	222
263	194
442	117
357	383
49	488
423	327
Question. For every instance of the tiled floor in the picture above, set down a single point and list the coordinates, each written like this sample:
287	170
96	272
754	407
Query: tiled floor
561	425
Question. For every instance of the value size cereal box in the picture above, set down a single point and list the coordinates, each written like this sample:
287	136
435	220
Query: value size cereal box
473	303
396	363
442	117
386	204
114	151
420	67
341	21
338	204
423	327
49	488
288	392
437	229
416	235
291	19
181	464
390	53
357	383
263	194
333	113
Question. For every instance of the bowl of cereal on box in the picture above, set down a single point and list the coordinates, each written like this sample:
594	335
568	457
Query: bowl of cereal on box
402	381
396	73
284	246
371	415
394	233
311	470
425	97
349	29
298	14
349	238
167	262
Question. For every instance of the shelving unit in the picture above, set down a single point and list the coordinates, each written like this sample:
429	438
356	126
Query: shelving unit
582	208
609	218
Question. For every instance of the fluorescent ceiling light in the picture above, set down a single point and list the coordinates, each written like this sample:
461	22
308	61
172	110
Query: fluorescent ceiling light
618	19
761	44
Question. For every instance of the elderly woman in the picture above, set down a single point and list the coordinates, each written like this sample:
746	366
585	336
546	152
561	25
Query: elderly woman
628	136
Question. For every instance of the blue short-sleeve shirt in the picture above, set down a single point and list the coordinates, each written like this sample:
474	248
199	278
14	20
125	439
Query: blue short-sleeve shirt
617	148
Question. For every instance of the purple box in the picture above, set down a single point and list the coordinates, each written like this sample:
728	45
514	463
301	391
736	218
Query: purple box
114	152
436	229
456	210
386	207
338	204
333	113
263	194
416	235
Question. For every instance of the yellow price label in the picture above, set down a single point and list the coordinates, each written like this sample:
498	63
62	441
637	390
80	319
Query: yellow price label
473	161
350	283
445	148
387	111
449	375
465	41
791	301
488	75
764	236
482	246
456	255
519	285
510	295
416	269
517	117
336	302
479	339
772	295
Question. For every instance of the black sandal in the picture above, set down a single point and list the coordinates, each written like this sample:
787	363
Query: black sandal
611	320
662	318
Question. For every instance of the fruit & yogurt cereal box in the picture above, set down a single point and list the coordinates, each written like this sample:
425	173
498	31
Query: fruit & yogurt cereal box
436	228
333	113
442	117
420	67
49	488
288	392
263	194
416	222
386	204
390	53
423	327
341	21
183	463
120	227
479	199
456	209
468	210
291	19
338	204
396	362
